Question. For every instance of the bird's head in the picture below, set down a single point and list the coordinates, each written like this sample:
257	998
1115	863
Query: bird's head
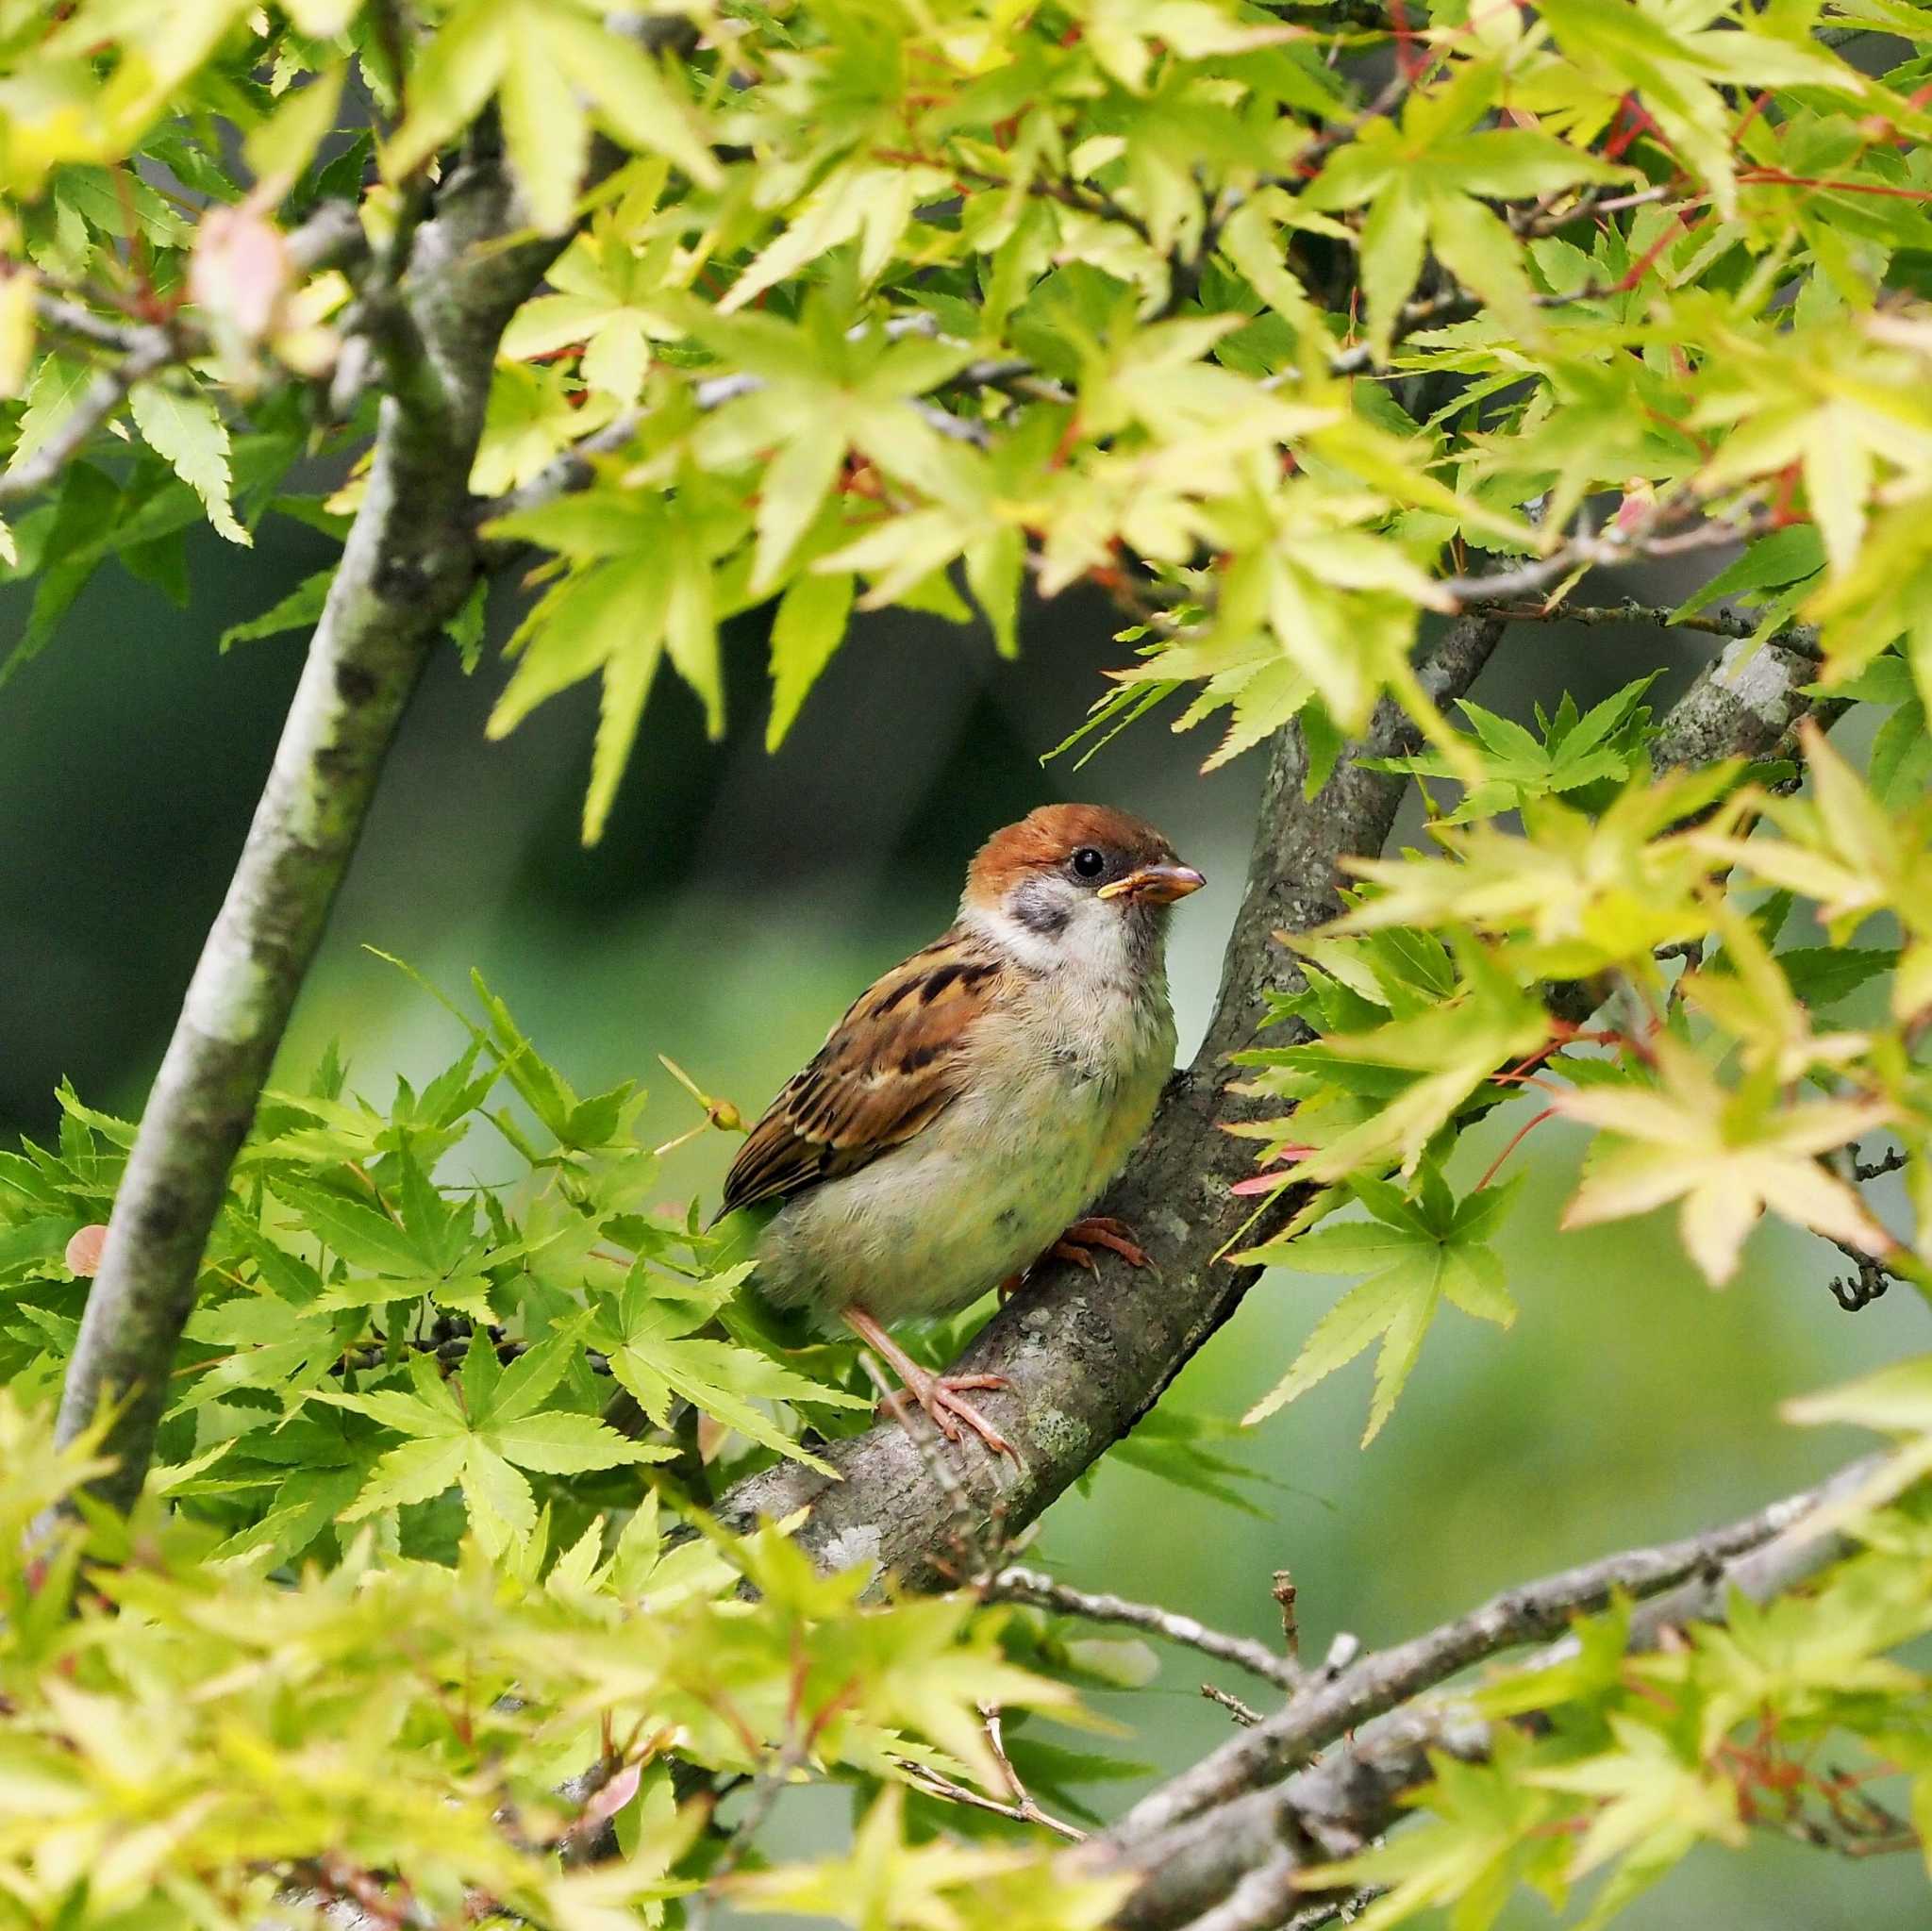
1077	884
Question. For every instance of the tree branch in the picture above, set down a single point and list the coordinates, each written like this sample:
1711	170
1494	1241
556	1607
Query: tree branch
1326	1706
153	348
1086	1357
1802	638
1661	531
1042	1592
1336	1804
331	234
407	564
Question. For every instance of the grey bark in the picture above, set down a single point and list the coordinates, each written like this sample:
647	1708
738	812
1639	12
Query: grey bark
409	562
1745	702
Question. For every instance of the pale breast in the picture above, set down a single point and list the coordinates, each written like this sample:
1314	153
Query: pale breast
1062	1086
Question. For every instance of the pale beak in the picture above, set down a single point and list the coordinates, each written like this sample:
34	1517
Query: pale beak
1159	885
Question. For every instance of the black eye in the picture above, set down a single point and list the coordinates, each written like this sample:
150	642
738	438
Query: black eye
1088	863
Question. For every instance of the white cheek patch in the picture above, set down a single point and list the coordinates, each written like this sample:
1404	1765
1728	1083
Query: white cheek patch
1001	929
1093	939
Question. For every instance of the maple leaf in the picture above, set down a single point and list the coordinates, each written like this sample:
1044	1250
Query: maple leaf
1419	1068
649	1332
1844	849
1416	1254
886	1883
1653	1806
1486	1826
478	1432
1725	1154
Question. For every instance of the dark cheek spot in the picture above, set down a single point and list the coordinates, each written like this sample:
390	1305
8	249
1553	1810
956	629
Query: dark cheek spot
1041	911
1009	1216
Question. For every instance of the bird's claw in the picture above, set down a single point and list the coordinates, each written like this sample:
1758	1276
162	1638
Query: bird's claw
1099	1230
940	1396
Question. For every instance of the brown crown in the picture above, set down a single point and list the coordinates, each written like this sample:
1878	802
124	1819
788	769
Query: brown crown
1050	836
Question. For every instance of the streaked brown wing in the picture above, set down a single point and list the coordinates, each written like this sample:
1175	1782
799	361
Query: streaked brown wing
887	1069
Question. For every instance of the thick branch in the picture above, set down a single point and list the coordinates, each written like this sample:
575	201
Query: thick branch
409	562
1747	702
1086	1357
1335	1805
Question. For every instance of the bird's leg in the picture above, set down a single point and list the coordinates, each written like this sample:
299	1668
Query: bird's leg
1097	1230
937	1394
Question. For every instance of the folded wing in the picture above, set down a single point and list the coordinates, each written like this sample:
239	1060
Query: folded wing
885	1072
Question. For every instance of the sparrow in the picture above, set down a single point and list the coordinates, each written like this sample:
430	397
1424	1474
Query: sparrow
975	1100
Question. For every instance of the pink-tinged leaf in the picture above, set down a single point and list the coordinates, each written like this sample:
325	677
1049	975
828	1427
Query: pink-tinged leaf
83	1255
239	270
607	1802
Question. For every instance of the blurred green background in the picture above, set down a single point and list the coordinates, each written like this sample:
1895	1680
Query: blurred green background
739	901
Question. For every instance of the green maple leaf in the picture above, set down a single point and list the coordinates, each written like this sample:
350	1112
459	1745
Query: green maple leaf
1485	1830
1654	1805
886	1881
1725	1154
1679	71
1895	1400
427	1245
649	1332
183	426
1418	1070
1425	182
479	1433
270	1345
1416	1254
1577	751
823	394
555	69
1584	892
604	286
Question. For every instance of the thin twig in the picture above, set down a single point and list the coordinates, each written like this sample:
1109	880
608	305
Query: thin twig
67	317
1028	1585
1244	1714
1856	1291
1875	1169
933	1784
158	346
772	1775
1286	1599
1798	637
1659	532
1025	1808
